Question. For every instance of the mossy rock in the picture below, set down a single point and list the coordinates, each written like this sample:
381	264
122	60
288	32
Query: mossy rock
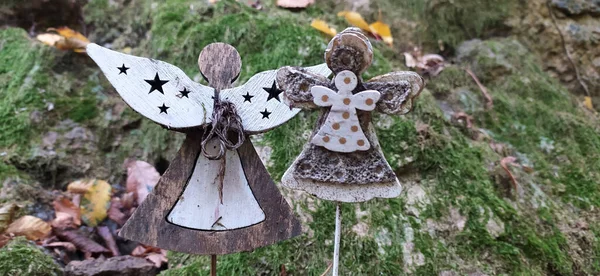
22	257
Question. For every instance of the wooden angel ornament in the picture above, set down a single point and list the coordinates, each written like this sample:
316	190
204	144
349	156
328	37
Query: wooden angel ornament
343	161
216	197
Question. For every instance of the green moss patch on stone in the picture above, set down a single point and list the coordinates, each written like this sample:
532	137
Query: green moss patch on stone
21	257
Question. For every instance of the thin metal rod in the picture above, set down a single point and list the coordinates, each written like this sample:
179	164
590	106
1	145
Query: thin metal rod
213	265
336	245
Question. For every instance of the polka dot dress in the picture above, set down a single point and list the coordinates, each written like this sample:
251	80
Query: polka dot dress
341	131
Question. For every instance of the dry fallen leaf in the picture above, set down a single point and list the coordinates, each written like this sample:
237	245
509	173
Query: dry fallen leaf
587	102
29	226
66	245
64	205
141	179
323	27
382	30
66	39
80	186
114	212
355	19
294	4
95	202
504	163
82	242
158	258
154	254
7	214
63	221
109	239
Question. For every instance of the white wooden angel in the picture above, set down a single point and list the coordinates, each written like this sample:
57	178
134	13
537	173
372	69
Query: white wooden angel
216	197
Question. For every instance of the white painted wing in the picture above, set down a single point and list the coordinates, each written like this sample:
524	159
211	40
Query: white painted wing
142	85
260	103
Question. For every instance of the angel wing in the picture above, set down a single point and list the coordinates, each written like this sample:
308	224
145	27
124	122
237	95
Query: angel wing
158	90
398	89
260	101
297	83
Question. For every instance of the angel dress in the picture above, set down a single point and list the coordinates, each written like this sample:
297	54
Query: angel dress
186	212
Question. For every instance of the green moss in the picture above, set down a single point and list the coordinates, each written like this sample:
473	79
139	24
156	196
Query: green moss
455	21
22	74
21	257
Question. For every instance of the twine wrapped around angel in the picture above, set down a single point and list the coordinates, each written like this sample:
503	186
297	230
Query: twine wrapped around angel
343	161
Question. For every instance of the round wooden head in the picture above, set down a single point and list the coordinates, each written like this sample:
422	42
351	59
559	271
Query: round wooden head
349	50
220	64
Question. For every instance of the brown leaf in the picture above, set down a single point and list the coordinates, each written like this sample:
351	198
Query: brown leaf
141	179
66	245
7	215
504	163
63	221
294	4
64	205
29	226
109	239
81	241
4	239
114	212
158	258
80	186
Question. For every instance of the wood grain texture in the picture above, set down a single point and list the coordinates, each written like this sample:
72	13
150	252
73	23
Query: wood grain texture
199	206
220	64
252	120
398	90
148	224
350	175
193	110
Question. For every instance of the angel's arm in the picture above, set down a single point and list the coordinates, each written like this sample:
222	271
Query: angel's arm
398	89
156	89
366	100
323	96
297	83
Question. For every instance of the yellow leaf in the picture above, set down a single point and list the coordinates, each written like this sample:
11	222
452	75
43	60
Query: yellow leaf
323	27
29	226
95	202
66	39
355	19
587	102
383	30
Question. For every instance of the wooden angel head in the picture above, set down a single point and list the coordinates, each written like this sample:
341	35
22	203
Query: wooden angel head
216	197
343	160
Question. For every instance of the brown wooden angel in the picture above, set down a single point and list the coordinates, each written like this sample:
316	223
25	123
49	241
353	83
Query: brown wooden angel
343	161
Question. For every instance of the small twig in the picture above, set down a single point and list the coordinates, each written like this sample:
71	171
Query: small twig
564	44
488	99
327	270
510	160
283	271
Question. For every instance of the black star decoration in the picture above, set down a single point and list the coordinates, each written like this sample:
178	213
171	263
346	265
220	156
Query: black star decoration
184	93
273	92
265	114
163	108
156	84
247	97
123	69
